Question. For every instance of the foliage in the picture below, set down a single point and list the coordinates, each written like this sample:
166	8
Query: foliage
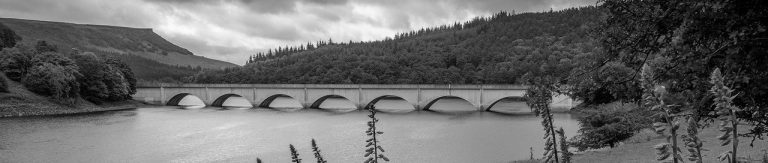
538	98
103	81
373	151
316	150
686	40
605	84
54	76
45	71
8	37
3	82
294	154
127	73
16	61
727	115
608	124
499	49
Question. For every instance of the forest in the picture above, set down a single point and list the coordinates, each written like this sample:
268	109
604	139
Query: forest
499	49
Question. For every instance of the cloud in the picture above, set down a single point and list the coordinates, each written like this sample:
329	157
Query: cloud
230	30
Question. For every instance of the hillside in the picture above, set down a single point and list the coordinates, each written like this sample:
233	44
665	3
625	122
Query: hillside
109	39
499	49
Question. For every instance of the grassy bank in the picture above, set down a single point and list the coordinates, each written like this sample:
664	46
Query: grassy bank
639	148
22	102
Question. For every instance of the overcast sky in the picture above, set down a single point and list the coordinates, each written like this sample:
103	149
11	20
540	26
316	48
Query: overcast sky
230	30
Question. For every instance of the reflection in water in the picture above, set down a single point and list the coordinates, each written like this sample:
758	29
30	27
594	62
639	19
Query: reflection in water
394	105
236	102
191	102
511	106
213	135
285	103
337	104
452	104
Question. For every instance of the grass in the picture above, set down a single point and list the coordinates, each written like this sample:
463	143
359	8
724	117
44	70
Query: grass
638	148
22	102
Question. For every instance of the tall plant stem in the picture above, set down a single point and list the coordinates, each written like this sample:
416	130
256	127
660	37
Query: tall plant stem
554	136
735	134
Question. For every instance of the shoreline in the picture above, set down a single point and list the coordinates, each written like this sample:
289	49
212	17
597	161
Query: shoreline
21	109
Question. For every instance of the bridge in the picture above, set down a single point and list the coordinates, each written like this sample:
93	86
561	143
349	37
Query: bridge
421	96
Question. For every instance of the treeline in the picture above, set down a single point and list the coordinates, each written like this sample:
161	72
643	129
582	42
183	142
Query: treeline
42	69
500	49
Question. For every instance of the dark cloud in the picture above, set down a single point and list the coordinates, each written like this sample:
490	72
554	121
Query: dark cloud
231	29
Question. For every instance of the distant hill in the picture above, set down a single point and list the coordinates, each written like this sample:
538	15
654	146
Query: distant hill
500	49
140	42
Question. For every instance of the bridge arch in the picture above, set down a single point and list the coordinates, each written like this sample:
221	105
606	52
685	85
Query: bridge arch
316	104
375	100
219	102
512	98
174	101
428	107
270	99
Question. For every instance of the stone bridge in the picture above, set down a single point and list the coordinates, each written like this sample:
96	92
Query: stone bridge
421	96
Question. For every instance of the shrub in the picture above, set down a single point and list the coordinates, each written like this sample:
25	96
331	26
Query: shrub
53	75
3	83
15	62
608	124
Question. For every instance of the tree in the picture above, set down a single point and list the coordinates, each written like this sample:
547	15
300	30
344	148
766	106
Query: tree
538	98
127	73
374	152
8	37
43	46
607	125
57	81
686	40
104	80
15	62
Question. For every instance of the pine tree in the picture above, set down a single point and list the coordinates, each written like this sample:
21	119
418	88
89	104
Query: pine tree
538	98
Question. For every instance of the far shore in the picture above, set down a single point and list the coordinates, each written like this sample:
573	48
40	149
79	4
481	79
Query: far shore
21	102
22	109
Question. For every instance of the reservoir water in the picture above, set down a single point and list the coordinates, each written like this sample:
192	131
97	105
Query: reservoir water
234	134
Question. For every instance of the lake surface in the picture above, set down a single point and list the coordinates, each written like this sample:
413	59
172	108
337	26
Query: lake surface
170	134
